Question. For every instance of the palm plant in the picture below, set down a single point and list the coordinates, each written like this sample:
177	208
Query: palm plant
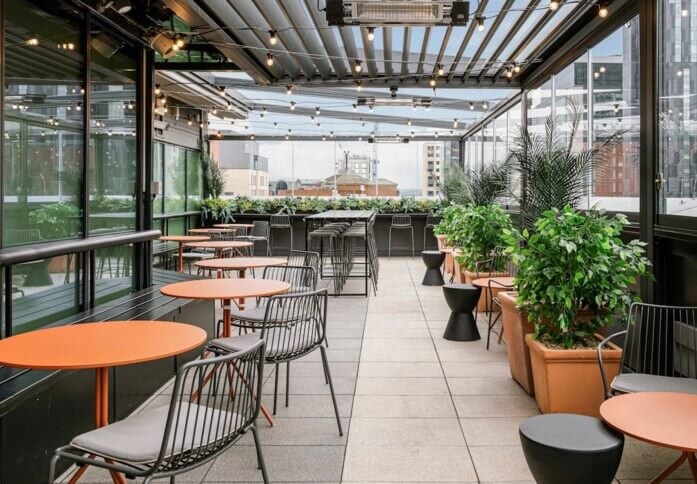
556	174
479	187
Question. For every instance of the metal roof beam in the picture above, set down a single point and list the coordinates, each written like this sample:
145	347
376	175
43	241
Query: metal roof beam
369	50
468	36
329	42
405	52
487	38
424	49
350	47
387	49
294	137
443	46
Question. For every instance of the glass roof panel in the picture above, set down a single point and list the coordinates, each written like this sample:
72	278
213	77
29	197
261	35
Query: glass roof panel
564	11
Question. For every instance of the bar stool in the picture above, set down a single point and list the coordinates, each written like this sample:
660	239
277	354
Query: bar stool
400	222
281	222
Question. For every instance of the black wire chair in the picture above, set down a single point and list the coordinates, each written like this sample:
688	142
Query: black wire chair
305	258
431	222
215	402
294	326
260	233
660	351
281	221
400	222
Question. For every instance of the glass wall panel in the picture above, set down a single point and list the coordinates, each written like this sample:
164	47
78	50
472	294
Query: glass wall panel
571	100
114	273
112	164
515	117
501	138
43	125
158	176
175	178
488	144
615	84
194	181
43	291
539	108
677	93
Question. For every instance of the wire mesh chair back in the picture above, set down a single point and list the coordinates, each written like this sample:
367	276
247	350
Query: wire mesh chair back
280	220
305	258
213	404
294	324
401	220
260	229
661	340
300	278
498	262
432	220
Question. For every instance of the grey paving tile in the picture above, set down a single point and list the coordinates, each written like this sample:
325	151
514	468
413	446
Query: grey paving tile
500	463
293	463
495	406
399	369
481	369
406	355
311	385
300	431
401	386
403	406
408	464
484	386
307	367
409	432
491	431
312	406
644	462
391	344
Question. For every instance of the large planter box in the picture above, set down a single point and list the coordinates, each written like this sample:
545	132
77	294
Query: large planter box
467	277
569	381
515	329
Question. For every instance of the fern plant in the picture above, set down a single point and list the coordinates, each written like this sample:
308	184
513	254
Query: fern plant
479	187
556	174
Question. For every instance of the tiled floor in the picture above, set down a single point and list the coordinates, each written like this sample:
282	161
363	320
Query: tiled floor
415	407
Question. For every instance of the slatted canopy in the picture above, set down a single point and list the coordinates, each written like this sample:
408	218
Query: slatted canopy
501	36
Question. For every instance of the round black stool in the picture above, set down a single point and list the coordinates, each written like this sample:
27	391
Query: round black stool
573	449
433	259
461	299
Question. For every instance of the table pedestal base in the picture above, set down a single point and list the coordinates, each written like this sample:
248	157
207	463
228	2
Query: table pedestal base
689	456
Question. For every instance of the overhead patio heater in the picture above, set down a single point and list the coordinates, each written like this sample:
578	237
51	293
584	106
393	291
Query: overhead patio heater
397	12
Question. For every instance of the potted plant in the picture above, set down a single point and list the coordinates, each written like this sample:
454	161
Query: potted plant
451	217
556	175
574	277
478	232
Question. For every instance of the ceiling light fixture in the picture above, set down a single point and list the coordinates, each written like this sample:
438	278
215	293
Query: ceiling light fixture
273	37
317	111
432	82
371	33
32	41
269	59
359	86
554	5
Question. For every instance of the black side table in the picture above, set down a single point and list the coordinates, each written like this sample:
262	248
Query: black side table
433	259
573	449
461	299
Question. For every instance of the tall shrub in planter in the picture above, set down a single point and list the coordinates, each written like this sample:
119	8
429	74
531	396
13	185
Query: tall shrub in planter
479	231
575	276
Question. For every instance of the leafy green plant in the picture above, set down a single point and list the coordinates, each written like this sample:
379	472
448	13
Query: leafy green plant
574	263
56	220
451	221
481	187
556	172
217	210
478	230
213	183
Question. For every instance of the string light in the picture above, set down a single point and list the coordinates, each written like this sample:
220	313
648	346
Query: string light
436	134
214	111
359	86
480	23
471	106
251	137
221	91
355	108
603	10
509	73
516	68
432	82
441	70
289	90
178	43
455	123
317	111
158	91
408	122
358	67
32	41
273	38
269	59
684	12
554	5
371	33
485	105
292	106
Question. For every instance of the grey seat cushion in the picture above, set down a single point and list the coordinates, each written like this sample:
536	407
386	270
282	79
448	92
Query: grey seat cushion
276	344
642	382
255	314
138	439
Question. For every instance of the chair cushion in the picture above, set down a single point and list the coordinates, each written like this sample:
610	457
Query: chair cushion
255	314
642	382
138	439
275	344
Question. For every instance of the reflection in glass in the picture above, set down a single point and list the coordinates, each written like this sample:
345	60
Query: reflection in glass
113	273
539	108
615	84
43	125
112	169
43	291
677	141
175	179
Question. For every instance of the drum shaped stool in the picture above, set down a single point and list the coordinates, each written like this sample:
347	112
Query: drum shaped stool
433	259
570	449
461	299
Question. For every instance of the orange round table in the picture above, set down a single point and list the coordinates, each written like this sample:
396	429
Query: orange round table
182	239
663	419
225	290
234	226
496	282
99	346
220	245
240	264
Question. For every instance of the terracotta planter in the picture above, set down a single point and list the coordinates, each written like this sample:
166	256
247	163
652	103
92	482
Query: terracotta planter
569	381
448	251
515	328
468	277
441	241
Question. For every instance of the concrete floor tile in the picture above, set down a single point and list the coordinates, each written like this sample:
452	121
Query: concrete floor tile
645	461
407	432
408	464
399	369
501	463
406	355
495	406
491	431
484	386
301	406
401	386
495	369
403	406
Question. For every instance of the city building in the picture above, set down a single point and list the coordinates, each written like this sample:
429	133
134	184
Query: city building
245	172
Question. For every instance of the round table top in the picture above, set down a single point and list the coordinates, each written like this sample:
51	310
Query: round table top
210	230
209	289
99	345
184	238
240	263
496	282
665	419
220	244
232	226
